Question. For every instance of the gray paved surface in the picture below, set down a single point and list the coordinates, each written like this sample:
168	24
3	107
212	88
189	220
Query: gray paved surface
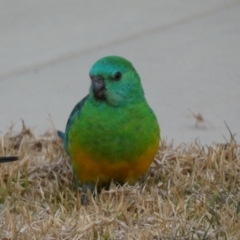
186	52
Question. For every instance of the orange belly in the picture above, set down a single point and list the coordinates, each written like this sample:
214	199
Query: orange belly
103	171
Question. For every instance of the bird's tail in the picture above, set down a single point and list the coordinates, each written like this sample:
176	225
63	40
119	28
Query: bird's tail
8	159
61	134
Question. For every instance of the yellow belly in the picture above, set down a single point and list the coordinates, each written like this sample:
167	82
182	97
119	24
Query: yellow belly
102	171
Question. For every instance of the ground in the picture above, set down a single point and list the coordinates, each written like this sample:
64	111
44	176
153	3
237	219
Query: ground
190	192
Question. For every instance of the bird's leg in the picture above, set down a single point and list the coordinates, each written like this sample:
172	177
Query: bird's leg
85	188
94	188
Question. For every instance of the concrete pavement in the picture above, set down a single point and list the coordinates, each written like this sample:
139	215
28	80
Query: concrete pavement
186	52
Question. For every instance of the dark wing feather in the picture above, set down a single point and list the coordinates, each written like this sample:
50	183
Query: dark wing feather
75	112
8	159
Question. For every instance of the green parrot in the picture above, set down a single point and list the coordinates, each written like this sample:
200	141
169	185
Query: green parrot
112	133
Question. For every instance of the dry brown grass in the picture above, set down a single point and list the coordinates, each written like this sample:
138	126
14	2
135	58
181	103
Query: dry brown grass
190	192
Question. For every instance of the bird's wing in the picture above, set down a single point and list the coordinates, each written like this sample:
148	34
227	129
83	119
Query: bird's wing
8	159
75	112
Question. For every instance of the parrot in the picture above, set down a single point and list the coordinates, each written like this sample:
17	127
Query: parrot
8	159
112	133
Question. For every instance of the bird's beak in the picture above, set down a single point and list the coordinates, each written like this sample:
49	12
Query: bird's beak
98	87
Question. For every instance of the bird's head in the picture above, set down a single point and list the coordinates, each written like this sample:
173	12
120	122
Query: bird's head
115	82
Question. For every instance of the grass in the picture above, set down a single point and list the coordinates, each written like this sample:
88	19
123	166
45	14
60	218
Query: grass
190	192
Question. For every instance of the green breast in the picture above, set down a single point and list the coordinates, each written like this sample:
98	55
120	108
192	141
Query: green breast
114	133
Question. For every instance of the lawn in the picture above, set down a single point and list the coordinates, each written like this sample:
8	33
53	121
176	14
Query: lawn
190	192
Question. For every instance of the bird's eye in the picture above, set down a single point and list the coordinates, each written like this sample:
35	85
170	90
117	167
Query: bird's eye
117	76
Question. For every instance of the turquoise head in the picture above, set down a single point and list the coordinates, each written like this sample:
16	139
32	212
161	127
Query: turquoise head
114	81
